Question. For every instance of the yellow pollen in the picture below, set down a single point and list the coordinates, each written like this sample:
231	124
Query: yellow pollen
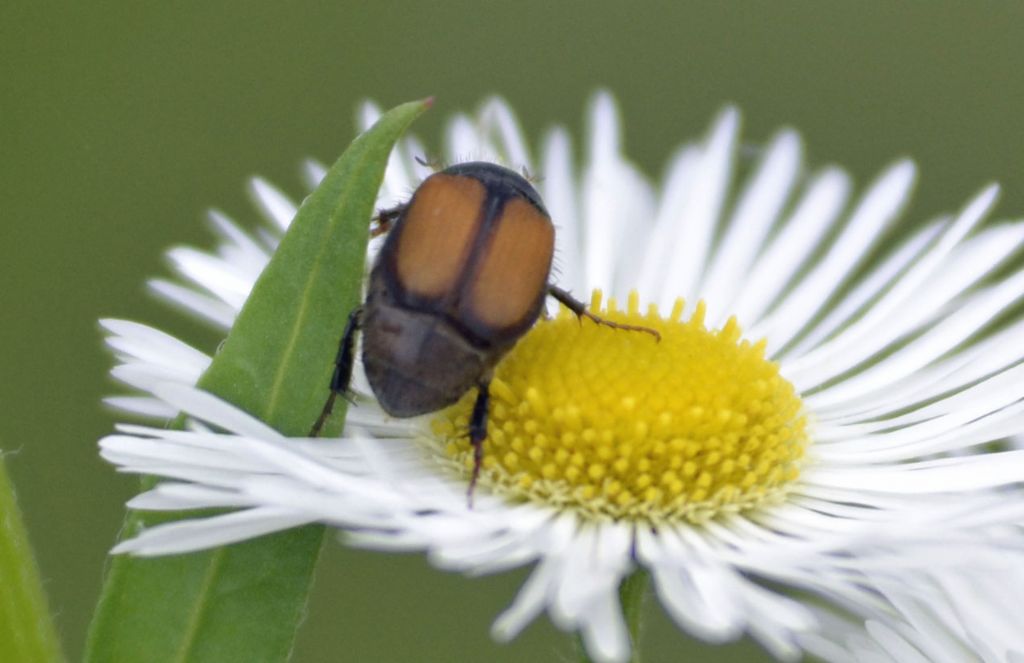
616	424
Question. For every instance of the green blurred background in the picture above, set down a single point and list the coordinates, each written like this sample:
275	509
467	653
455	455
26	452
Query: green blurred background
120	123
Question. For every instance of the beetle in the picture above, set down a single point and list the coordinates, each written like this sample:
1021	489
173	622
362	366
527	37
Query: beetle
462	275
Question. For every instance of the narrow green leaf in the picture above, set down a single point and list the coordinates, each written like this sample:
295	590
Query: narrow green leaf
26	630
245	602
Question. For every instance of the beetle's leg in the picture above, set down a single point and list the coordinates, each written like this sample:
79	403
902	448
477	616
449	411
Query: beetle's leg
532	178
342	368
433	163
385	219
580	309
478	431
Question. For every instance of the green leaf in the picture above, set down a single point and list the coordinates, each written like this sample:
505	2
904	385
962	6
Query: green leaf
26	630
244	602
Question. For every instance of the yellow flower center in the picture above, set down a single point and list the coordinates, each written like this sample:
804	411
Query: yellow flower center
616	424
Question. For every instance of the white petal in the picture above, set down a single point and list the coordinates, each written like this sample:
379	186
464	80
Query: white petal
756	213
213	274
275	205
941	338
367	115
313	172
895	646
240	248
134	341
797	241
863	297
497	118
209	308
675	574
209	408
463	143
615	198
142	405
951	374
948	415
604	631
529	602
702	211
947	475
879	207
844	351
667	232
559	187
199	534
597	562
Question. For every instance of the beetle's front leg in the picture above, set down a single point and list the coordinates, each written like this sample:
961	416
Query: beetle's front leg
580	309
385	219
343	362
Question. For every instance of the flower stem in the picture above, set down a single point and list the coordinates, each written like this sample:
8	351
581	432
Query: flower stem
632	595
27	633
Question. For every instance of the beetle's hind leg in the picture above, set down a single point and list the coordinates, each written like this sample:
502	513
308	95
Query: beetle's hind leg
478	431
342	376
580	309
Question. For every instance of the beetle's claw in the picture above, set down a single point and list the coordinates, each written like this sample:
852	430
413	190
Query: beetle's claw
476	438
478	458
324	414
433	163
477	442
580	309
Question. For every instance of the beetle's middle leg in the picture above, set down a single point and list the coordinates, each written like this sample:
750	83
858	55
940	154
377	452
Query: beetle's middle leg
478	430
342	376
580	309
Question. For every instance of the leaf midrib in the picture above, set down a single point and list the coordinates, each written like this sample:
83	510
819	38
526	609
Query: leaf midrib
216	563
279	375
192	629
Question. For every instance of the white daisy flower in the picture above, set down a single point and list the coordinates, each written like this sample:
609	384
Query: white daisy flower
827	478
